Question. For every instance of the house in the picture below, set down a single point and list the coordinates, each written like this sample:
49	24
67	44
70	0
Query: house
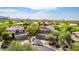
46	23
1	23
19	23
42	33
44	30
50	28
18	32
73	24
75	36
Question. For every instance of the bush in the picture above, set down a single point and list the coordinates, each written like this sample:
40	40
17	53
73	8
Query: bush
75	29
27	47
75	47
33	29
15	46
51	37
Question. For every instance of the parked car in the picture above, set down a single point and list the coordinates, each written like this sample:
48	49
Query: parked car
37	42
52	43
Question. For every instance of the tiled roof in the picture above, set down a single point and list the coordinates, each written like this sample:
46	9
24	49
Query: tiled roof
76	34
15	28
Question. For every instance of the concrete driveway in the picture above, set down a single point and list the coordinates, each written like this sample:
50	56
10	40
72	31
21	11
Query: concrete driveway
44	48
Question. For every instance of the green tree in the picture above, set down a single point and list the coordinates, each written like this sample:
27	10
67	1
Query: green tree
64	38
32	30
26	24
6	36
6	39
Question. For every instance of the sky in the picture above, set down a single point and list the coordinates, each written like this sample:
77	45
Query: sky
51	13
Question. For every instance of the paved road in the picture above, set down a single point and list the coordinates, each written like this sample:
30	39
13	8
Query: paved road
44	48
39	48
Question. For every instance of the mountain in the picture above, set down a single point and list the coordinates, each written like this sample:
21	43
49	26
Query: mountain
3	17
9	18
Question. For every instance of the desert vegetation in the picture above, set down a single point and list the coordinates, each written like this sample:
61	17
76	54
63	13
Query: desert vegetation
59	35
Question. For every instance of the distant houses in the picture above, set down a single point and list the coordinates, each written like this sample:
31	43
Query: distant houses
19	23
45	23
73	24
1	23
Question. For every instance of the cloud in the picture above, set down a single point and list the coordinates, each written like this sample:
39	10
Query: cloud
46	10
44	7
34	13
28	3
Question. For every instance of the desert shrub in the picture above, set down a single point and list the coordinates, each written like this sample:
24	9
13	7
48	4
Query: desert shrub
75	29
56	27
16	46
75	47
66	27
28	47
51	37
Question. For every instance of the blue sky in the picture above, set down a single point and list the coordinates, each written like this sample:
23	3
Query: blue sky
69	13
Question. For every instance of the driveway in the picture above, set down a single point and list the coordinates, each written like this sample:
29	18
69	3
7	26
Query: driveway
44	48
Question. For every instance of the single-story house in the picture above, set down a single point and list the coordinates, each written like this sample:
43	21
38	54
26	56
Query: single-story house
44	30
41	36
46	23
42	33
18	32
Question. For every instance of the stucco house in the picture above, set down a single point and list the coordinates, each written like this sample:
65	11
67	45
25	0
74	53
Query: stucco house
75	36
42	33
45	23
18	32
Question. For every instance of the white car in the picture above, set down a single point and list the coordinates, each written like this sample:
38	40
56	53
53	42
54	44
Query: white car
37	42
